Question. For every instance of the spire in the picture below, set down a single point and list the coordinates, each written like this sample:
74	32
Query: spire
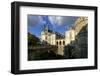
45	28
66	28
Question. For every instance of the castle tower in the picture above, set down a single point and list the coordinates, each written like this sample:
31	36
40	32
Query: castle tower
44	33
72	34
67	37
53	39
45	28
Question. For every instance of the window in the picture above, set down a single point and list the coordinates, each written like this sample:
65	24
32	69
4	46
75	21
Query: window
57	42
46	37
63	42
60	43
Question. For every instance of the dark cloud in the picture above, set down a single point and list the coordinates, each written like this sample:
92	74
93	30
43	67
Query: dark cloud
34	20
56	21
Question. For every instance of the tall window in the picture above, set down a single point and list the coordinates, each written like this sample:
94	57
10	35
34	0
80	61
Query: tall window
57	42
46	37
63	42
60	43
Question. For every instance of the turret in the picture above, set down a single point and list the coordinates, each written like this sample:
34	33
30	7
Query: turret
45	28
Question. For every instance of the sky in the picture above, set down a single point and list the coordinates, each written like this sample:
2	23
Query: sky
56	23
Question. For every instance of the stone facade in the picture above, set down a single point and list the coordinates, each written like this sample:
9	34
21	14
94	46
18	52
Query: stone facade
78	48
81	44
73	44
55	38
81	39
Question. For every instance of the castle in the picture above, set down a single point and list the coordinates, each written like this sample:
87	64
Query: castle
55	38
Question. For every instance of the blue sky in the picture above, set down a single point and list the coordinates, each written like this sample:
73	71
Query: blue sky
56	23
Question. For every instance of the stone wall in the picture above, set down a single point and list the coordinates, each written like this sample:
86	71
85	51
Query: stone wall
81	44
78	48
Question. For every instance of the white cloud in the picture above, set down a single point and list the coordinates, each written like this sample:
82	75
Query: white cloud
62	20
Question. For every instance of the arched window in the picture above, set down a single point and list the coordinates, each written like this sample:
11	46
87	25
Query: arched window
63	42
60	43
57	42
46	37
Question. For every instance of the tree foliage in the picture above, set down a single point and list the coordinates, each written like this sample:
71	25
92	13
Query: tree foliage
33	40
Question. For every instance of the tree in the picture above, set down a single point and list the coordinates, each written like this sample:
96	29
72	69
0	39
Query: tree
33	40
